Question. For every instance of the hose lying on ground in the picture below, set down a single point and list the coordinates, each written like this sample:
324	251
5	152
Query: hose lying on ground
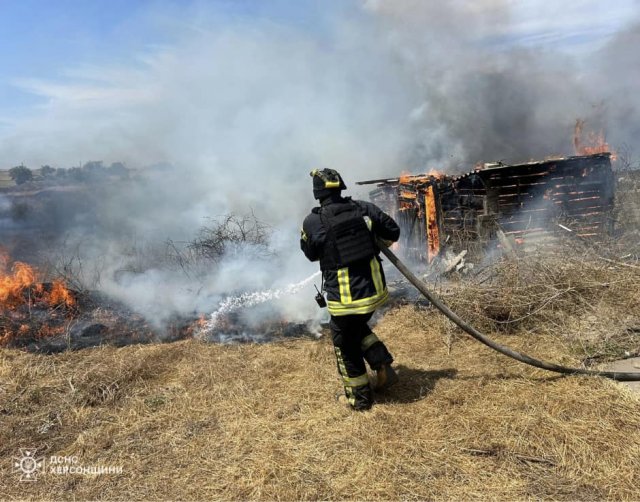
523	358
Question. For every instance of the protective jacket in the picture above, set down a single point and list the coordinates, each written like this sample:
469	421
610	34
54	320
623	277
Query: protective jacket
339	234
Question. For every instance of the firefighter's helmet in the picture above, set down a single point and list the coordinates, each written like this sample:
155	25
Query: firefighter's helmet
326	182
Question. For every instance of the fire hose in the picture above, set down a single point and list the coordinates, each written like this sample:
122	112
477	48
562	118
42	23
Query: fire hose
503	349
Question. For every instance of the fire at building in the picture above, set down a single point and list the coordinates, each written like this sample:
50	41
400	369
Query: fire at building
527	202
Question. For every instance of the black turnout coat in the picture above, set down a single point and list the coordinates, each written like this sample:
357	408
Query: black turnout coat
359	288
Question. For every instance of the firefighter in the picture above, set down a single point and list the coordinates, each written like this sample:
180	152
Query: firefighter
340	234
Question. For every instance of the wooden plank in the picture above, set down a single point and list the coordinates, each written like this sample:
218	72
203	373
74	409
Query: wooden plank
524	176
520	207
500	186
520	216
519	170
582	184
523	218
591	211
523	225
580	203
576	194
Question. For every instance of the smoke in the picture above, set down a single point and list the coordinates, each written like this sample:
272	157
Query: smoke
495	88
244	106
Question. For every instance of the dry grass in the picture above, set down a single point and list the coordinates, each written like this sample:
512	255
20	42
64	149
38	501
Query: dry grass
194	421
567	292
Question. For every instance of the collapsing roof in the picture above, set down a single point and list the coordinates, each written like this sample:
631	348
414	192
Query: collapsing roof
529	202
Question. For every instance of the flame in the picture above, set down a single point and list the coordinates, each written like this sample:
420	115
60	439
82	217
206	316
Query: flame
13	284
20	292
60	295
431	218
407	178
433	173
19	285
404	194
597	142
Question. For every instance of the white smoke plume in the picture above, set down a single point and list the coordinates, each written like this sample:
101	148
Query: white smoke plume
244	107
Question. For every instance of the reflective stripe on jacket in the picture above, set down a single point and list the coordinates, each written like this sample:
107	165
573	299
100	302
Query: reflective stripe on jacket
361	287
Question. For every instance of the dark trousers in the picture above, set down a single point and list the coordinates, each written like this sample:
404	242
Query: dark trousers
355	343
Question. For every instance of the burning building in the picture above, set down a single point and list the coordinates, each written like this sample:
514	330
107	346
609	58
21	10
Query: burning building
528	202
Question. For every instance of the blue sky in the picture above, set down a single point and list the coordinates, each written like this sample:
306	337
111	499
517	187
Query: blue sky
40	38
43	39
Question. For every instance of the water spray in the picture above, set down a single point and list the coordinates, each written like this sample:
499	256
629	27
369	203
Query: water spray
233	303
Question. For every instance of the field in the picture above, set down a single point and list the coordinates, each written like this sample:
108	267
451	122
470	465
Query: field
190	420
5	179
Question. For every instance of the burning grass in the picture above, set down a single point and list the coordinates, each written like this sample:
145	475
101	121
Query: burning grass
48	317
24	299
198	421
19	286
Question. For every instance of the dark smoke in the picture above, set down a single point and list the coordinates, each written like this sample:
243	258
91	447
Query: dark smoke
485	99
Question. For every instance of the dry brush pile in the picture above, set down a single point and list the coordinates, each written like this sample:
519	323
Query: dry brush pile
569	292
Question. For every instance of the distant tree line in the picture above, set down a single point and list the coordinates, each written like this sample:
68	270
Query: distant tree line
94	170
21	174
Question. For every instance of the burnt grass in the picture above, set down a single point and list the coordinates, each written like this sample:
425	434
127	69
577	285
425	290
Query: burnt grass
93	320
96	319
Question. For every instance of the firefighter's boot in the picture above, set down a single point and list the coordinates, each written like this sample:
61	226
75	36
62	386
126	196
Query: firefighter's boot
386	376
350	404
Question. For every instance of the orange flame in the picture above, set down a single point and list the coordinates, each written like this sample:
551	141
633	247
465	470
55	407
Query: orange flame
434	173
431	217
13	284
60	295
19	285
406	178
597	142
